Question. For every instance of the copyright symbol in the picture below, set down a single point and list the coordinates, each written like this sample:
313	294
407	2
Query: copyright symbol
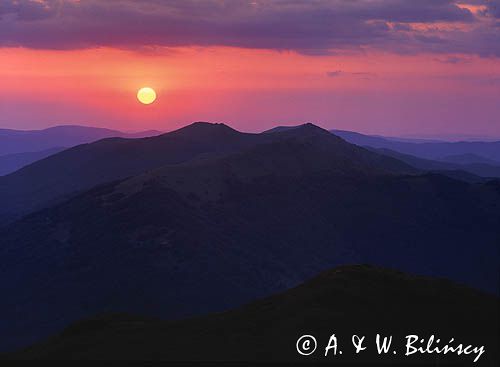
306	345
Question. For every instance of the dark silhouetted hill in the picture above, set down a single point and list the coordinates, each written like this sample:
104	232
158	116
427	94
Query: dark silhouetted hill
348	300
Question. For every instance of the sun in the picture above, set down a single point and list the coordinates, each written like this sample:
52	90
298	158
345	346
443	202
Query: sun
146	95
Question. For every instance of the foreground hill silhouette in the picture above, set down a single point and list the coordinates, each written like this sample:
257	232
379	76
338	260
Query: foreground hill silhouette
220	230
348	300
59	176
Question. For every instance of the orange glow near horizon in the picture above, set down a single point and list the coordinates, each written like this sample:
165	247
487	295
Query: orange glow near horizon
250	88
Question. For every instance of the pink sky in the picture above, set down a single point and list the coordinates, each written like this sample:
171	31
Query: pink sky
372	89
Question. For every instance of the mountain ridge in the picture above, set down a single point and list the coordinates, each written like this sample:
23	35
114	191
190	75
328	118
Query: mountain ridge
109	159
19	148
428	150
22	141
84	166
12	162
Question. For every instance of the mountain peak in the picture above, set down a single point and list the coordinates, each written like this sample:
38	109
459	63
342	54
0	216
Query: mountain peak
312	128
305	131
308	126
208	125
202	128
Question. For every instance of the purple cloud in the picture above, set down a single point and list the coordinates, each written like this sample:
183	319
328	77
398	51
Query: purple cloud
452	60
309	27
492	7
333	74
361	74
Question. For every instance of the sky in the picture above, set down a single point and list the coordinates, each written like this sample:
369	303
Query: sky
428	68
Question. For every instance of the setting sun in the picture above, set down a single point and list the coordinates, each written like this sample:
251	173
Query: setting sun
146	95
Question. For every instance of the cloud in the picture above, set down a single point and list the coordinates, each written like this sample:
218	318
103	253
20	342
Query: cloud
312	27
333	74
364	73
492	8
452	60
361	74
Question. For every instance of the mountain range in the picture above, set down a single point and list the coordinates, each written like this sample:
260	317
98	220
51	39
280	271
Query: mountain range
12	162
462	152
461	156
207	218
21	141
471	172
82	167
467	160
18	148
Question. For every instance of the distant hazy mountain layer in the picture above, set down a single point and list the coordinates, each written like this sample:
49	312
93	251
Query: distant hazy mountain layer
460	152
22	141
